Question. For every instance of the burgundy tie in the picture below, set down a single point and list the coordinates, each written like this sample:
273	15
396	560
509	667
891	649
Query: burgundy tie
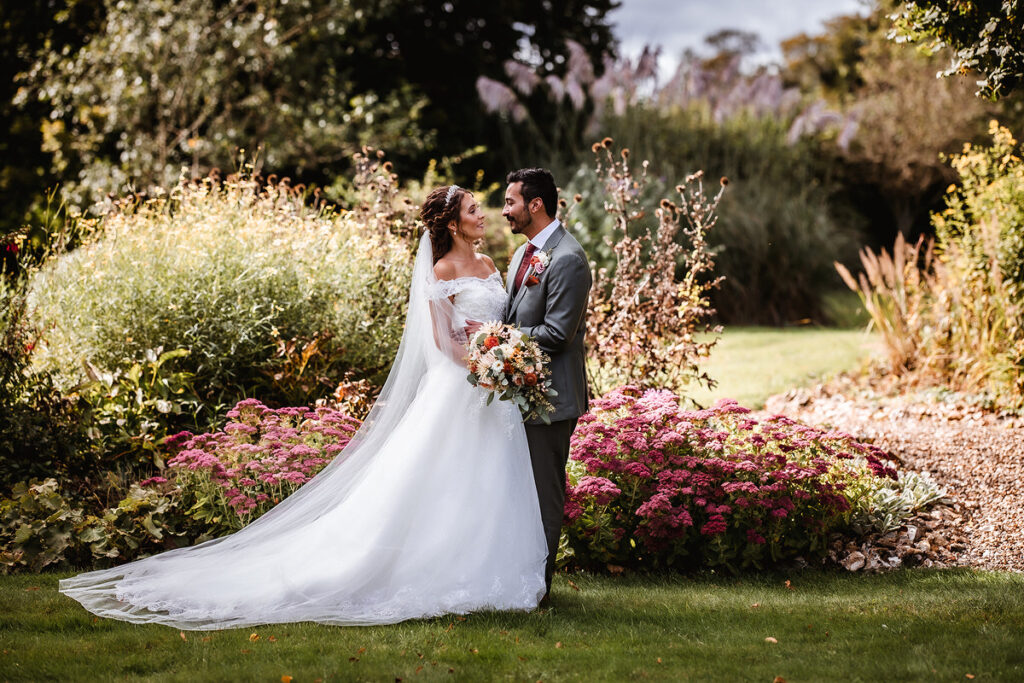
521	273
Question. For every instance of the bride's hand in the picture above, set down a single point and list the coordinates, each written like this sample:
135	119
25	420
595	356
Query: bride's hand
471	327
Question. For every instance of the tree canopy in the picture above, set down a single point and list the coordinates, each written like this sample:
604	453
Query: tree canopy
987	37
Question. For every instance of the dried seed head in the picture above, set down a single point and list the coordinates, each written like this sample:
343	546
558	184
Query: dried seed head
596	147
724	181
625	152
388	166
562	203
577	197
607	143
680	188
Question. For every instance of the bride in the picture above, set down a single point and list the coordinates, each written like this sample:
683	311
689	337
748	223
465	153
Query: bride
431	509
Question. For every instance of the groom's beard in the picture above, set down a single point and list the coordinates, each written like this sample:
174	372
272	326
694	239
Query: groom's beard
517	225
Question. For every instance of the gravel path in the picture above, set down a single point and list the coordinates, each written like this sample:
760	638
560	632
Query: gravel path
978	457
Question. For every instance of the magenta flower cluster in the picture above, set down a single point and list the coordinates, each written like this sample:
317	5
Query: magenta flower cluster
260	457
652	485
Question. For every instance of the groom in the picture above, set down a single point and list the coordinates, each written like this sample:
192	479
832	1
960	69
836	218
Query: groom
548	285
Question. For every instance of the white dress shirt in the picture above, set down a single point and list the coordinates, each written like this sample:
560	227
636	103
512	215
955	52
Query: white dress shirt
541	238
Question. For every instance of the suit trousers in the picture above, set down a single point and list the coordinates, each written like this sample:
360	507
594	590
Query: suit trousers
549	452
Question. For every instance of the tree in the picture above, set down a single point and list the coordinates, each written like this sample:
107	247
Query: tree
163	85
906	118
27	29
987	37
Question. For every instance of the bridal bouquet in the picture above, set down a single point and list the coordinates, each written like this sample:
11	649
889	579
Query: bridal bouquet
510	365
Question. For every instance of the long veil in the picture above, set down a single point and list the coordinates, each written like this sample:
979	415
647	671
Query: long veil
432	340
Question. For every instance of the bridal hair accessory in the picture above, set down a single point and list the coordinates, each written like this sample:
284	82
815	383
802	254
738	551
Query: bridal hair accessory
451	193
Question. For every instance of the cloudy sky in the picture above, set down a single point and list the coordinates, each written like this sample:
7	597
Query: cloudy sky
680	24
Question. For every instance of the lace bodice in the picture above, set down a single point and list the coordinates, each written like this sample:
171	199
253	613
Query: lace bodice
480	299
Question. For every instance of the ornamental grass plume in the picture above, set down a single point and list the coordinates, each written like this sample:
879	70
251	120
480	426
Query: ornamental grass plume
951	311
643	321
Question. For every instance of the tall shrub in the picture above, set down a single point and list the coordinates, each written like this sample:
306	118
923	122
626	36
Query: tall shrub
779	231
952	313
231	272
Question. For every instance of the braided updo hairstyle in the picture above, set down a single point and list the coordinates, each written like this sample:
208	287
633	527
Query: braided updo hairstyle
436	214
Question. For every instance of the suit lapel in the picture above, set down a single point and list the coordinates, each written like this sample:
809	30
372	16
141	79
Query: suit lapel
549	247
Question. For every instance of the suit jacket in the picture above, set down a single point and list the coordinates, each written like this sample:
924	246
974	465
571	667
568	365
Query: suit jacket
553	312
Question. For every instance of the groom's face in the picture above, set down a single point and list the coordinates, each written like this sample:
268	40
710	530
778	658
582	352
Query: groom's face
516	212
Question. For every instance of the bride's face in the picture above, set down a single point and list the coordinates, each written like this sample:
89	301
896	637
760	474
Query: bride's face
471	219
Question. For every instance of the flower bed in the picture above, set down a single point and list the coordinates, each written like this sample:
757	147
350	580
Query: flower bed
260	457
653	486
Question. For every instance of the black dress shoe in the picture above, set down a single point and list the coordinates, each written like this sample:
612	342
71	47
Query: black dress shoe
545	602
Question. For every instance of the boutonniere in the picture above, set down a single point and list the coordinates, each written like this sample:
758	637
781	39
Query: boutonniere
540	261
538	264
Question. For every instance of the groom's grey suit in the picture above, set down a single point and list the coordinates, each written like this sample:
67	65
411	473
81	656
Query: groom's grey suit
553	312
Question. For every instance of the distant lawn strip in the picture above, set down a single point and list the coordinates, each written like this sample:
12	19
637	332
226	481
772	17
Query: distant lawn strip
910	625
753	363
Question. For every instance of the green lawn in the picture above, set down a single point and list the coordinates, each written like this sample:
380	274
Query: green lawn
753	363
908	625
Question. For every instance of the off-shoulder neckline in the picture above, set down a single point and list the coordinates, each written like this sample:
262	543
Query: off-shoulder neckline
474	277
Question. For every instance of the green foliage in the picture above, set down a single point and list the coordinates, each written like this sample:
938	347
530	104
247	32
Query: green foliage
991	193
145	521
103	91
37	528
130	412
778	231
224	271
986	37
40	434
950	312
42	529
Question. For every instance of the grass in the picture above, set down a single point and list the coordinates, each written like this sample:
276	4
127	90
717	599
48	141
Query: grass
753	363
907	625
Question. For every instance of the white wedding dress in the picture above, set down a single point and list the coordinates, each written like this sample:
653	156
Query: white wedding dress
431	509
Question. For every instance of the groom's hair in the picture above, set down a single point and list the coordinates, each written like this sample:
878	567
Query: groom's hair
537	182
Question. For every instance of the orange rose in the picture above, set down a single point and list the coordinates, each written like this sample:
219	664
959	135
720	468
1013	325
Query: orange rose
508	368
531	379
491	342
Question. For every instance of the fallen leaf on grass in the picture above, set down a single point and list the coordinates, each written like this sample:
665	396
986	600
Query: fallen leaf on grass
286	679
769	639
615	569
360	650
353	659
968	675
475	651
461	618
32	588
451	670
778	679
419	669
272	639
558	644
659	660
573	585
788	585
183	637
253	637
245	652
755	605
206	639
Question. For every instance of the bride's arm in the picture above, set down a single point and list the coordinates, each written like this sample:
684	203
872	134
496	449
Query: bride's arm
449	338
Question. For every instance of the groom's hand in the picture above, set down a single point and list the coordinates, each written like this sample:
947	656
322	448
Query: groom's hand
471	327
